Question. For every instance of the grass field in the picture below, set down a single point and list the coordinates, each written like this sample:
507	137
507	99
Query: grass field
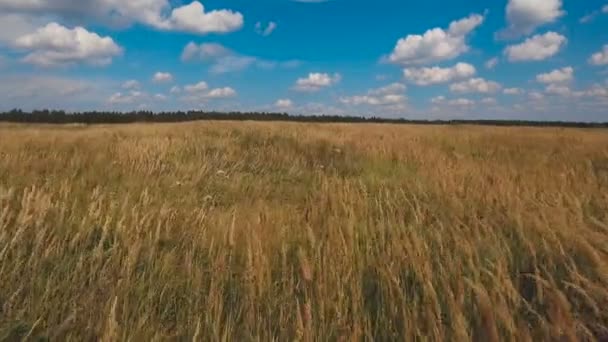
260	231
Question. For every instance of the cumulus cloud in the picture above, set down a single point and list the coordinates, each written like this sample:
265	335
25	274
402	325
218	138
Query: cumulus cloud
513	91
265	31
436	44
437	75
600	57
224	60
438	99
200	92
558	89
475	85
219	93
391	95
524	16
57	45
193	18
284	104
556	76
205	51
162	77
536	48
316	81
461	102
130	85
198	87
158	14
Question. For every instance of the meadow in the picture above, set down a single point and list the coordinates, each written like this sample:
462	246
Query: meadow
261	231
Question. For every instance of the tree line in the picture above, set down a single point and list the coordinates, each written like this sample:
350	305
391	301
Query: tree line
101	117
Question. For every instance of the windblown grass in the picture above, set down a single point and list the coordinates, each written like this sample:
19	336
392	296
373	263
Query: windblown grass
262	231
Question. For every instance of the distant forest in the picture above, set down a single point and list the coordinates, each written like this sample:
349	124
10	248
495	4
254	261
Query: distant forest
62	117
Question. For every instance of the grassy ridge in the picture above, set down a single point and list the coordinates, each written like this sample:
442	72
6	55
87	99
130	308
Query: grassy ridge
260	231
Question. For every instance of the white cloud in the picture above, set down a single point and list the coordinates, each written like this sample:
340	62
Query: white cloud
600	57
591	16
205	51
232	64
438	99
316	81
192	18
436	44
160	97
536	48
513	91
556	76
224	60
436	75
524	16
284	104
199	87
391	95
219	93
200	92
20	25
558	89
475	85
131	84
187	18
126	98
57	45
265	31
175	90
161	77
491	63
461	102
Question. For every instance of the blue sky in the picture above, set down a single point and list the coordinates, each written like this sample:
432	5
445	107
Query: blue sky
508	59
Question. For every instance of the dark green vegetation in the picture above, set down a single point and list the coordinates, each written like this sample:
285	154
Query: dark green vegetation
61	117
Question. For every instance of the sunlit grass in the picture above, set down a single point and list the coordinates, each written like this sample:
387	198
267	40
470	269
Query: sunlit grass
261	231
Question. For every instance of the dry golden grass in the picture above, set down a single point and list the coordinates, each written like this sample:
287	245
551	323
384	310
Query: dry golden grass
279	231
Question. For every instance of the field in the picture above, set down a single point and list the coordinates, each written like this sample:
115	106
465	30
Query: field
282	231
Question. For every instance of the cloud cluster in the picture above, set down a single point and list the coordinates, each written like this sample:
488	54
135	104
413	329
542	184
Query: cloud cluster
57	45
154	13
200	92
513	91
283	104
476	85
316	81
162	77
391	95
436	44
556	76
437	75
536	48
